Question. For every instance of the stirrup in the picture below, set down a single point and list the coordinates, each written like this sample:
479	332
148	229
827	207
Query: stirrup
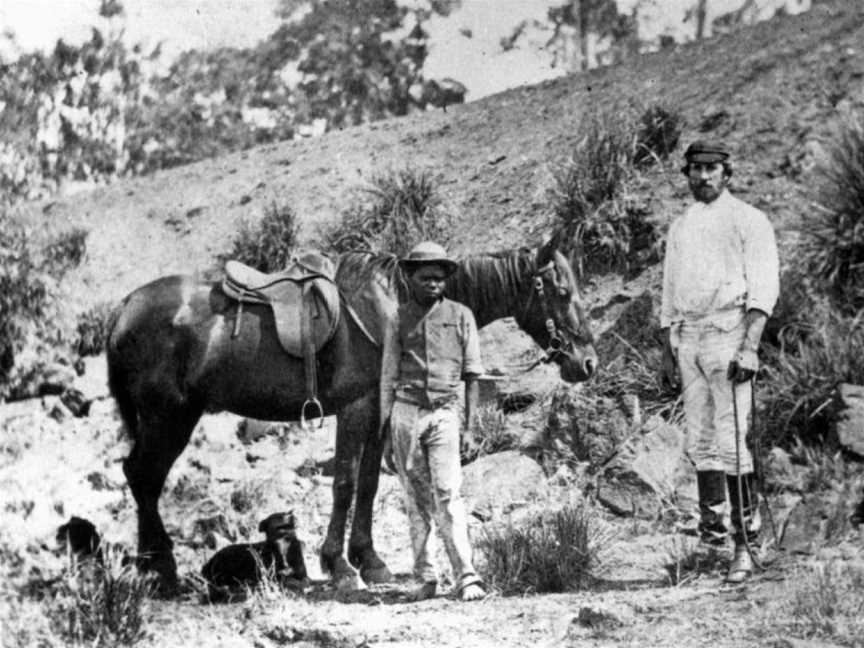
317	404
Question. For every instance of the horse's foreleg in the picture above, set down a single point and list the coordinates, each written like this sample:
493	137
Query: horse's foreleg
348	448
158	443
361	551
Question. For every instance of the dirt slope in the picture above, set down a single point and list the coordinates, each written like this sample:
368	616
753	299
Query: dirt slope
769	90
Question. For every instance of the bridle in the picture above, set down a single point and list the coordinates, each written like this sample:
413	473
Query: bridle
556	343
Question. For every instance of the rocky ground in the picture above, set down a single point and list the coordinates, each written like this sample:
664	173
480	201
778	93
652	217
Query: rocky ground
772	91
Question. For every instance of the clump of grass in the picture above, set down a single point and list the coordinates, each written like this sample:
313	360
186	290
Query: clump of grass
268	245
658	134
823	600
65	251
101	605
686	560
834	236
590	199
556	551
402	208
91	330
490	434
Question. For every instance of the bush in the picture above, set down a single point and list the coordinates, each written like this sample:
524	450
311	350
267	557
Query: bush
489	435
65	252
91	330
834	237
403	208
553	552
589	199
268	245
658	135
101	605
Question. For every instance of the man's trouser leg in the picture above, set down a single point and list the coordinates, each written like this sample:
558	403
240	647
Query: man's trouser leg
441	441
407	422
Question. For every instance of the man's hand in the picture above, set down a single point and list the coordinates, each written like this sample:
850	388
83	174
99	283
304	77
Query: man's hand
743	367
387	451
668	366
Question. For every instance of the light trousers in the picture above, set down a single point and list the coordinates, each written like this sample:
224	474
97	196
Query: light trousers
426	453
704	352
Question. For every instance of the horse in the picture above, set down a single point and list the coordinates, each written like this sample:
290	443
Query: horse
177	348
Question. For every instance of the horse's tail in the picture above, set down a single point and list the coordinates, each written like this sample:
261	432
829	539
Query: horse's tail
118	382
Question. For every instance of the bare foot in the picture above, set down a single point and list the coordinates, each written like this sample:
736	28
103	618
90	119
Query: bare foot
472	592
425	591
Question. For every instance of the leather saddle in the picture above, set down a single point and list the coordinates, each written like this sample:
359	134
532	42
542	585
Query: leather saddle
305	302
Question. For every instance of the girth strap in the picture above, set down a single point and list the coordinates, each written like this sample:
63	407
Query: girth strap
310	365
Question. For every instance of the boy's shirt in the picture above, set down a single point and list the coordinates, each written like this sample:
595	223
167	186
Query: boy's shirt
427	354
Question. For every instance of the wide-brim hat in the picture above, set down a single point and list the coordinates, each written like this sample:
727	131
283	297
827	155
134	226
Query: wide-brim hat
428	253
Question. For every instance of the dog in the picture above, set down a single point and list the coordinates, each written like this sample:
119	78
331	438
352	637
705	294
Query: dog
236	567
80	540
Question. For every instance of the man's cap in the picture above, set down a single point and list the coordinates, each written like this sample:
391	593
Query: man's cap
706	151
428	253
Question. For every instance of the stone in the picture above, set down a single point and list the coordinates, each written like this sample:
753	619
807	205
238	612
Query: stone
500	482
649	469
93	382
781	474
808	525
850	422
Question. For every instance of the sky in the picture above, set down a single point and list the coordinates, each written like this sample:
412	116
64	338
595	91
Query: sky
478	61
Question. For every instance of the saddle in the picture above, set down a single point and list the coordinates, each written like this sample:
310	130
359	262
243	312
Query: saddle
305	302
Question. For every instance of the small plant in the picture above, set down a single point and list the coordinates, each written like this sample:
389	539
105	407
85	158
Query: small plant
403	208
91	331
557	551
589	199
268	245
65	251
686	560
834	237
101	605
658	135
490	434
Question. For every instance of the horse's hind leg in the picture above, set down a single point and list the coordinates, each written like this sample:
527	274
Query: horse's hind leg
348	448
158	442
361	552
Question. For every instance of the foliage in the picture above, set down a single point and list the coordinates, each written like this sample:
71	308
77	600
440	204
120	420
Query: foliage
834	236
658	134
489	435
591	202
268	245
91	329
403	208
101	605
557	551
686	560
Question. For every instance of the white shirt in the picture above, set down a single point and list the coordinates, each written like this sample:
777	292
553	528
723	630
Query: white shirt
721	260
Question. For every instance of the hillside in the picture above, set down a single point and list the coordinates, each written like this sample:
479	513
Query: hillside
772	91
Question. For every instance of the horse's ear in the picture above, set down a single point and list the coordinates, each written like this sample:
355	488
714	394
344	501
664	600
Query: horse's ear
547	251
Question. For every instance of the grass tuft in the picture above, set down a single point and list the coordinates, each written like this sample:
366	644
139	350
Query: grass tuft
91	330
402	208
490	434
268	245
557	551
658	134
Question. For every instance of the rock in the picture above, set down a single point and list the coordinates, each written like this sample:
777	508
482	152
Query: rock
649	469
850	423
782	474
252	430
75	402
93	382
809	524
500	482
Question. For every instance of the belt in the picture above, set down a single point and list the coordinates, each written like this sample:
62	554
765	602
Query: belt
421	399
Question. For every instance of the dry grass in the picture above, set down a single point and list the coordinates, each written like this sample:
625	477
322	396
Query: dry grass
91	329
268	245
557	551
686	560
490	434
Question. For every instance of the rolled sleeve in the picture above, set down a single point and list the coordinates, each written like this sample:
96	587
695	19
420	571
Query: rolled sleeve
761	265
472	362
389	366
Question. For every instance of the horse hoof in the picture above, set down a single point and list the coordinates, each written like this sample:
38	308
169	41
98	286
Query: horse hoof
377	575
350	583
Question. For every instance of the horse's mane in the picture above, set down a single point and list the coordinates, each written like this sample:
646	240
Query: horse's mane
355	269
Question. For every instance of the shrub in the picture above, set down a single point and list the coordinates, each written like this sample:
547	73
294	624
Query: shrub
686	560
65	251
658	135
268	245
403	208
489	435
101	605
552	552
589	199
91	330
834	237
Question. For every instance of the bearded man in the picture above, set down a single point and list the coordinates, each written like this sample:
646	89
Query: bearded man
720	284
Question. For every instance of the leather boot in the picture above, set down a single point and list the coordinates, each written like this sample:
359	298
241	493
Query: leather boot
746	523
712	500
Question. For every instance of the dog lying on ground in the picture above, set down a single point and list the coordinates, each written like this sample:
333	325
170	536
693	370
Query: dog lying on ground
236	567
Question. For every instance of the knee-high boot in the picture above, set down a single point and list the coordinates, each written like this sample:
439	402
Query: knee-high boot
746	523
712	501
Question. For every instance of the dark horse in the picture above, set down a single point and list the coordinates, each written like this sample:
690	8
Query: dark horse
172	357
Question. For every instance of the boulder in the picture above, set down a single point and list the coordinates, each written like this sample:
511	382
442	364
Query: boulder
812	522
781	474
850	423
649	469
500	482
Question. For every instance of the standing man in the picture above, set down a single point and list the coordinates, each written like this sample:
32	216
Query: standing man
430	347
720	284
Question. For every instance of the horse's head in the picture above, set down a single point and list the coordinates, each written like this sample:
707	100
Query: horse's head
554	316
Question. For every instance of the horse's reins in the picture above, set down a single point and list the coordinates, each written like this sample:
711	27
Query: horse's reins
556	342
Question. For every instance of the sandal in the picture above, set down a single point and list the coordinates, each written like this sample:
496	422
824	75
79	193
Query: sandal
471	588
